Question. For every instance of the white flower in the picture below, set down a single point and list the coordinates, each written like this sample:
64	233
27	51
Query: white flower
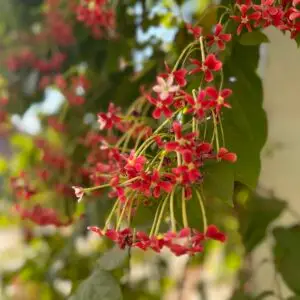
165	87
79	192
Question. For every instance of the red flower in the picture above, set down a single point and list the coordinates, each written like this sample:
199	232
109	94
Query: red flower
198	106
158	184
161	106
181	142
245	19
196	31
135	163
218	98
109	119
41	216
219	38
224	154
213	232
179	75
210	64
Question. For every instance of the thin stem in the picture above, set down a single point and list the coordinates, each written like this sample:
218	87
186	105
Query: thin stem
184	214
111	214
94	188
202	210
182	55
216	131
165	201
122	214
202	48
155	218
222	131
173	221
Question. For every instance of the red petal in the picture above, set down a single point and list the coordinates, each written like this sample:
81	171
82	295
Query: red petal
226	93
185	232
211	91
156	113
208	76
218	29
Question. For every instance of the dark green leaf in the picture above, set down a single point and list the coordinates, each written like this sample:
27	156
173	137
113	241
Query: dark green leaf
286	255
245	125
112	259
294	298
255	218
100	285
219	179
240	295
253	38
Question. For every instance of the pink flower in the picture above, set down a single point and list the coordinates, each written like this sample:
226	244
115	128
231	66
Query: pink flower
165	87
79	192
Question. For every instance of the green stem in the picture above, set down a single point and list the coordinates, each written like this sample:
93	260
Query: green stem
94	188
202	210
202	48
184	214
182	55
111	214
173	220
165	201
122	214
155	218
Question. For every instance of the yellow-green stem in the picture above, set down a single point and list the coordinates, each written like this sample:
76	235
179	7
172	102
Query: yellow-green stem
184	214
165	201
173	220
203	213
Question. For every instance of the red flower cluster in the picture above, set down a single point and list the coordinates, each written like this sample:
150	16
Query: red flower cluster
186	241
154	168
41	216
98	15
283	14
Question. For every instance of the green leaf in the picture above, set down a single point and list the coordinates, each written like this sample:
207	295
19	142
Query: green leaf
286	255
100	285
218	181
294	298
22	142
253	38
112	259
245	125
240	295
255	217
3	165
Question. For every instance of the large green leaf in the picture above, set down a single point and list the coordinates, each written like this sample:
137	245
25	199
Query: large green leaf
255	217
245	125
219	181
286	255
113	259
100	285
253	38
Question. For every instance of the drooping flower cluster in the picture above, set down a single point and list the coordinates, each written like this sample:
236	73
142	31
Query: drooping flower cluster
162	166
